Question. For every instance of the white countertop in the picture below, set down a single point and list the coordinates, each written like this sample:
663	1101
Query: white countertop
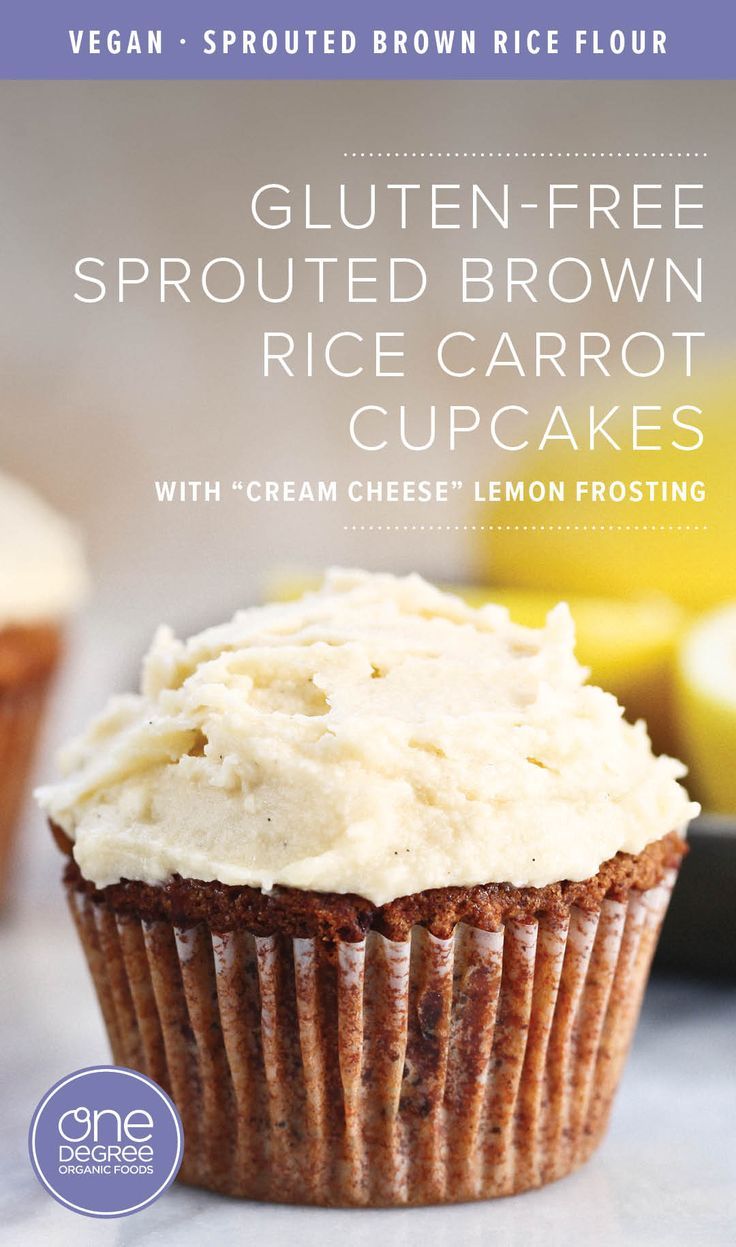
665	1176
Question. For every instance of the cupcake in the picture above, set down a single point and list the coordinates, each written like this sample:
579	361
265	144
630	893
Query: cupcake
370	883
42	577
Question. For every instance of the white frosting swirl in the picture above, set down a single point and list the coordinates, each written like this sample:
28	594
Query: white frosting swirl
43	574
378	737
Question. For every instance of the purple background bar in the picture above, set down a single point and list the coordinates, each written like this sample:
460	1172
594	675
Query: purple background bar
35	43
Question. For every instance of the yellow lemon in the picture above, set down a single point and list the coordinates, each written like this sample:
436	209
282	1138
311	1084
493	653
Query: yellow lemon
623	548
630	646
706	702
284	584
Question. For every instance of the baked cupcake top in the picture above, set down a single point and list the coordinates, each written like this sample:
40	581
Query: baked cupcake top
378	737
43	574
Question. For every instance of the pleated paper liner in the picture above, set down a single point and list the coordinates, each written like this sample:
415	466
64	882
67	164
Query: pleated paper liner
379	1072
21	712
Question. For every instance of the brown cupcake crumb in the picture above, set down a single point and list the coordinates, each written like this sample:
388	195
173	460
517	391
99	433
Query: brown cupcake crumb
331	915
28	653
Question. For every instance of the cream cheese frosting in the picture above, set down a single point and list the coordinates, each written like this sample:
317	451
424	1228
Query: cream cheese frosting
42	568
378	737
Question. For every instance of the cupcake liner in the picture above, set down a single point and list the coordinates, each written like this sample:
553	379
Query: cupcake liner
21	710
379	1072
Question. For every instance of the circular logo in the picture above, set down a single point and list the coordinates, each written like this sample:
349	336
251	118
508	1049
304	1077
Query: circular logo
106	1141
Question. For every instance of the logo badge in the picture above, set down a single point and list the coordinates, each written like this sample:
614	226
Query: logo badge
106	1141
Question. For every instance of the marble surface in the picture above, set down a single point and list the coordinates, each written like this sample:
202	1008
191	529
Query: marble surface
665	1176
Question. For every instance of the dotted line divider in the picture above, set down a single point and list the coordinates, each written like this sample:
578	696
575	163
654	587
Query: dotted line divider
526	155
526	528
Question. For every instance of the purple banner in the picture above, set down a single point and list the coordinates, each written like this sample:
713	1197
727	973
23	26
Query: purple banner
294	39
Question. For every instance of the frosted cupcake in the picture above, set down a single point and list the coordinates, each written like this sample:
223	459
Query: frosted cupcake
42	577
370	883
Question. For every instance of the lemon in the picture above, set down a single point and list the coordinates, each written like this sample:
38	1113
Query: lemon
706	704
644	551
629	646
284	584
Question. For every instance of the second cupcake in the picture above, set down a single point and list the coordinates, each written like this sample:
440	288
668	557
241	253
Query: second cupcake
42	579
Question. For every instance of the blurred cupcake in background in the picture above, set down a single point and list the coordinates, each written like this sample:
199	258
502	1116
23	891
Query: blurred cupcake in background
43	577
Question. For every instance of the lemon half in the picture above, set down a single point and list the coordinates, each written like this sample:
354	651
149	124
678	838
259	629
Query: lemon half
706	706
681	549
